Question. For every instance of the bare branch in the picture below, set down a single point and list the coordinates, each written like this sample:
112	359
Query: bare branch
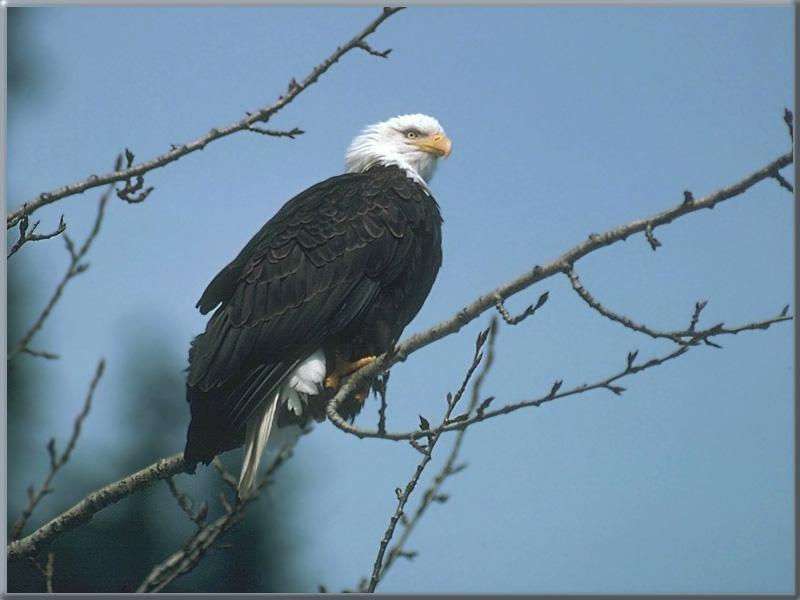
433	494
132	172
192	552
688	336
93	503
75	268
114	492
29	236
528	312
788	117
56	462
783	182
40	354
698	338
674	336
292	133
433	437
380	387
47	570
132	192
651	239
225	475
185	504
370	50
562	264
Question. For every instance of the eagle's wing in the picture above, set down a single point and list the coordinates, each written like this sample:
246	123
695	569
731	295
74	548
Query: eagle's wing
307	274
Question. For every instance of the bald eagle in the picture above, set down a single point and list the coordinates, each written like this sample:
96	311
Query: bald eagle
325	285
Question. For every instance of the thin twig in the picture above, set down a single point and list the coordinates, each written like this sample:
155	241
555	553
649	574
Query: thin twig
114	492
699	337
30	236
75	268
47	570
380	387
433	494
185	504
56	462
528	312
651	239
291	134
403	495
262	115
783	182
192	552
788	117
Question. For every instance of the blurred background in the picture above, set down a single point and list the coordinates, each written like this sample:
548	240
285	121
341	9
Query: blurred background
565	121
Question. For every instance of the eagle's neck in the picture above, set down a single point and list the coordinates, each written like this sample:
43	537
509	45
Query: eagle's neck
367	151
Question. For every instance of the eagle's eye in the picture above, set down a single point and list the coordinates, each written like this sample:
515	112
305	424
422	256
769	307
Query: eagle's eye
412	134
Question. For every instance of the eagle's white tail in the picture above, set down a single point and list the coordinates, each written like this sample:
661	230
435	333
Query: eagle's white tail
258	428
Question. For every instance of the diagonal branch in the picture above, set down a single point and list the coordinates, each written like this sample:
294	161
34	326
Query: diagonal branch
561	264
262	115
482	415
114	492
93	503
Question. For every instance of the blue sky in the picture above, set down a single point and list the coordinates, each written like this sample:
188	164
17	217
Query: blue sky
565	121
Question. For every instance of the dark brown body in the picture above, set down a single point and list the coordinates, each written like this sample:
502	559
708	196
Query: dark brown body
343	266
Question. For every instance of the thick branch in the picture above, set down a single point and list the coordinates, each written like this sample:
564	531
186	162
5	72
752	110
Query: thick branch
562	264
114	492
94	502
262	115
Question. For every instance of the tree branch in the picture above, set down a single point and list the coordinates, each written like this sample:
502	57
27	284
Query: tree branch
93	503
192	552
30	236
433	437
75	268
699	337
57	462
132	172
561	264
83	511
432	494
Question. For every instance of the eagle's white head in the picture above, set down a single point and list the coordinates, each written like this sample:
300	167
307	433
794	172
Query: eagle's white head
411	142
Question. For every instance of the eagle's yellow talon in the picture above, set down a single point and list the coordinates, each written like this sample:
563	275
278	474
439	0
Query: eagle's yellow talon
344	368
332	382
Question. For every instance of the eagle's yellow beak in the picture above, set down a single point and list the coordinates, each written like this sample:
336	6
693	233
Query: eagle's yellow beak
438	145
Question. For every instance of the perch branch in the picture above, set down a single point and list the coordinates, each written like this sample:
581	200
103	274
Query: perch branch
561	264
114	492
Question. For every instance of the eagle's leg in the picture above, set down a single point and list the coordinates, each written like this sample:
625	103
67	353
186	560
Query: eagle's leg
344	368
